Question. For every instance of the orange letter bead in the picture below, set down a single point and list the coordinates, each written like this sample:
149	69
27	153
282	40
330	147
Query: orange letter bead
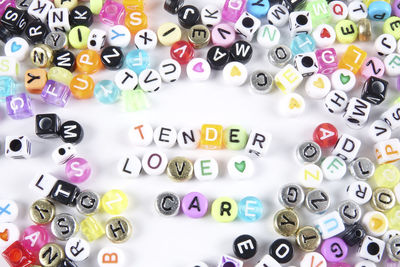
133	5
88	61
211	136
352	59
35	80
135	21
82	86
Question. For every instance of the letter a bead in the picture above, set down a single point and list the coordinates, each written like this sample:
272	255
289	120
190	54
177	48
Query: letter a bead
224	209
194	205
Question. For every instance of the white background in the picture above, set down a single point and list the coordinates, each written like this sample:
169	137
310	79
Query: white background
181	241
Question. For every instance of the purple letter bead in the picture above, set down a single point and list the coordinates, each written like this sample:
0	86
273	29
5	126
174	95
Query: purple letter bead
334	249
19	106
56	93
194	205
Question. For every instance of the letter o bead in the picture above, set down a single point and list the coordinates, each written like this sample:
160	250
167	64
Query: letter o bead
224	209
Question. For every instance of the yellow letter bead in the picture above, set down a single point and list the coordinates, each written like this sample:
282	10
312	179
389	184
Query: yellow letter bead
78	37
136	21
96	6
70	4
211	136
91	229
392	27
352	59
376	223
235	137
42	56
288	78
308	238
364	30
394	217
224	209
387	151
346	31
135	100
180	169
133	5
368	2
59	74
387	175
114	202
383	199
169	33
311	176
286	222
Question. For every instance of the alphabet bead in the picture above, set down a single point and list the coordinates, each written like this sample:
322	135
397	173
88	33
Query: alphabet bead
372	66
7	86
257	8
9	210
97	39
64	226
387	175
180	169
302	43
268	35
77	170
360	192
385	44
334	168
224	209
308	152
88	62
118	229
391	25
387	151
281	250
317	201
10	67
19	106
64	59
135	20
168	33
353	235
362	168
223	35
77	249
141	134
154	163
42	211
182	52
308	238
81	15
87	202
114	202
106	92
330	225
112	13
235	137
65	193
394	217
311	176
16	48
286	222
364	30
357	11
371	249
261	82
357	113
391	117
117	35
267	260
352	59
172	6
250	209
112	57
279	55
188	16
383	199
35	237
60	75
240	167
336	101
245	247
324	35
170	70
51	253
145	39
392	64
111	255
129	166
306	63
233	9
241	51
42	184
167	204
291	195
350	212
228	260
339	10
188	138
17	147
82	86
278	15
194	205
78	37
334	249
346	31
137	60
17	255
379	10
211	15
206	169
91	229
288	79
47	125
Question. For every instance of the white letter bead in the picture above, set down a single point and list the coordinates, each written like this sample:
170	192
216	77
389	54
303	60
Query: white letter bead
240	167
313	259
299	22
324	35
330	225
97	39
343	79
306	63
339	10
10	67
13	234
42	184
63	153
268	261
385	44
357	10
268	36
210	15
334	168
392	64
258	143
247	25
397	193
235	73
77	249
371	249
198	69
360	192
118	35
357	113
311	176
288	79
141	134
146	39
336	101
278	15
154	163
365	264
318	86
347	147
165	136
17	48
126	79
150	80
188	138
206	169
170	70
58	20
111	256
387	151
379	131
129	166
8	210
392	116
40	8
292	104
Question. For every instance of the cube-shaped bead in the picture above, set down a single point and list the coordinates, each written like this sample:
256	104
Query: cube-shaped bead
306	63
330	225
288	79
327	60
371	249
9	67
18	256
135	100
347	147
19	106
319	11
258	143
91	229
65	193
247	25
18	147
387	151
211	136
302	43
40	9
47	125
300	22
136	21
233	9
56	93
352	59
35	80
7	87
112	13
58	20
374	90
391	116
357	112
14	20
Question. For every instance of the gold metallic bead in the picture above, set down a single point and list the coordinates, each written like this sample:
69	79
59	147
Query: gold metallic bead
180	169
364	30
50	255
383	199
286	222
42	211
199	36
308	238
118	229
42	56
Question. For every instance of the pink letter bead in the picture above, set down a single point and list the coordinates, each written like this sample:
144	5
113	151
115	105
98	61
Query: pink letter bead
233	9
112	13
334	249
77	170
195	205
35	237
223	35
6	3
372	66
327	60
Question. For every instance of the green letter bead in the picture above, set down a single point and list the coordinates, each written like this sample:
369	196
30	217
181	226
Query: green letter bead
205	167
346	31
394	217
387	175
319	12
96	6
392	27
235	137
78	37
59	74
134	100
224	209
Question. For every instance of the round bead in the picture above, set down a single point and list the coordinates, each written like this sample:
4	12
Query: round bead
198	69
42	211
71	132
206	169
235	137
137	60
240	167
250	209
360	192
16	48
334	249
318	86
56	40
199	36
167	204
391	26
291	195
393	248
279	55
383	199
376	223
379	10
210	15
81	15
170	70
119	35
308	152
325	135
261	82
182	52
149	80
126	79
78	37
357	11
60	75
350	212
308	238
387	175
241	51
218	57
394	217
77	249
389	234
42	56
168	33
112	57
334	168
223	35
286	222
379	131
224	209
268	36
180	169
64	226
278	15
56	255
292	105
88	62
118	229
114	202
188	16
87	202
302	43
339	10
346	31
106	92
245	247
110	254
324	35
129	166
317	201
385	44
77	170
365	263
343	79
9	210
194	205
34	238
154	163
281	250
146	39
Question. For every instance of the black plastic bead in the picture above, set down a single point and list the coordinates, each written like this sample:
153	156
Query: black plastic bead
245	247
172	6
281	250
67	263
241	51
65	193
112	57
47	125
291	5
81	15
64	59
218	57
374	90
71	132
15	20
353	235
36	31
5	34
188	16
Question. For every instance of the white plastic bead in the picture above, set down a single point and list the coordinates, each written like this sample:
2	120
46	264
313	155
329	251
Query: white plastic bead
295	27
42	184
373	218
198	69
357	10
206	169
146	39
165	136
248	29
154	163
292	104
312	259
63	153
129	166
119	35
343	79
258	143
96	39
372	243
126	79
391	116
385	44
170	70
324	35
58	20
318	86
77	249
311	176
379	131
8	210
235	73
339	10
278	15
357	113
111	257
268	36
347	147
392	64
389	234
336	101
360	192
16	48
334	168
365	264
13	234
210	15
150	80
397	193
268	261
330	224
240	167
306	63
40	9
188	138
387	151
141	134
